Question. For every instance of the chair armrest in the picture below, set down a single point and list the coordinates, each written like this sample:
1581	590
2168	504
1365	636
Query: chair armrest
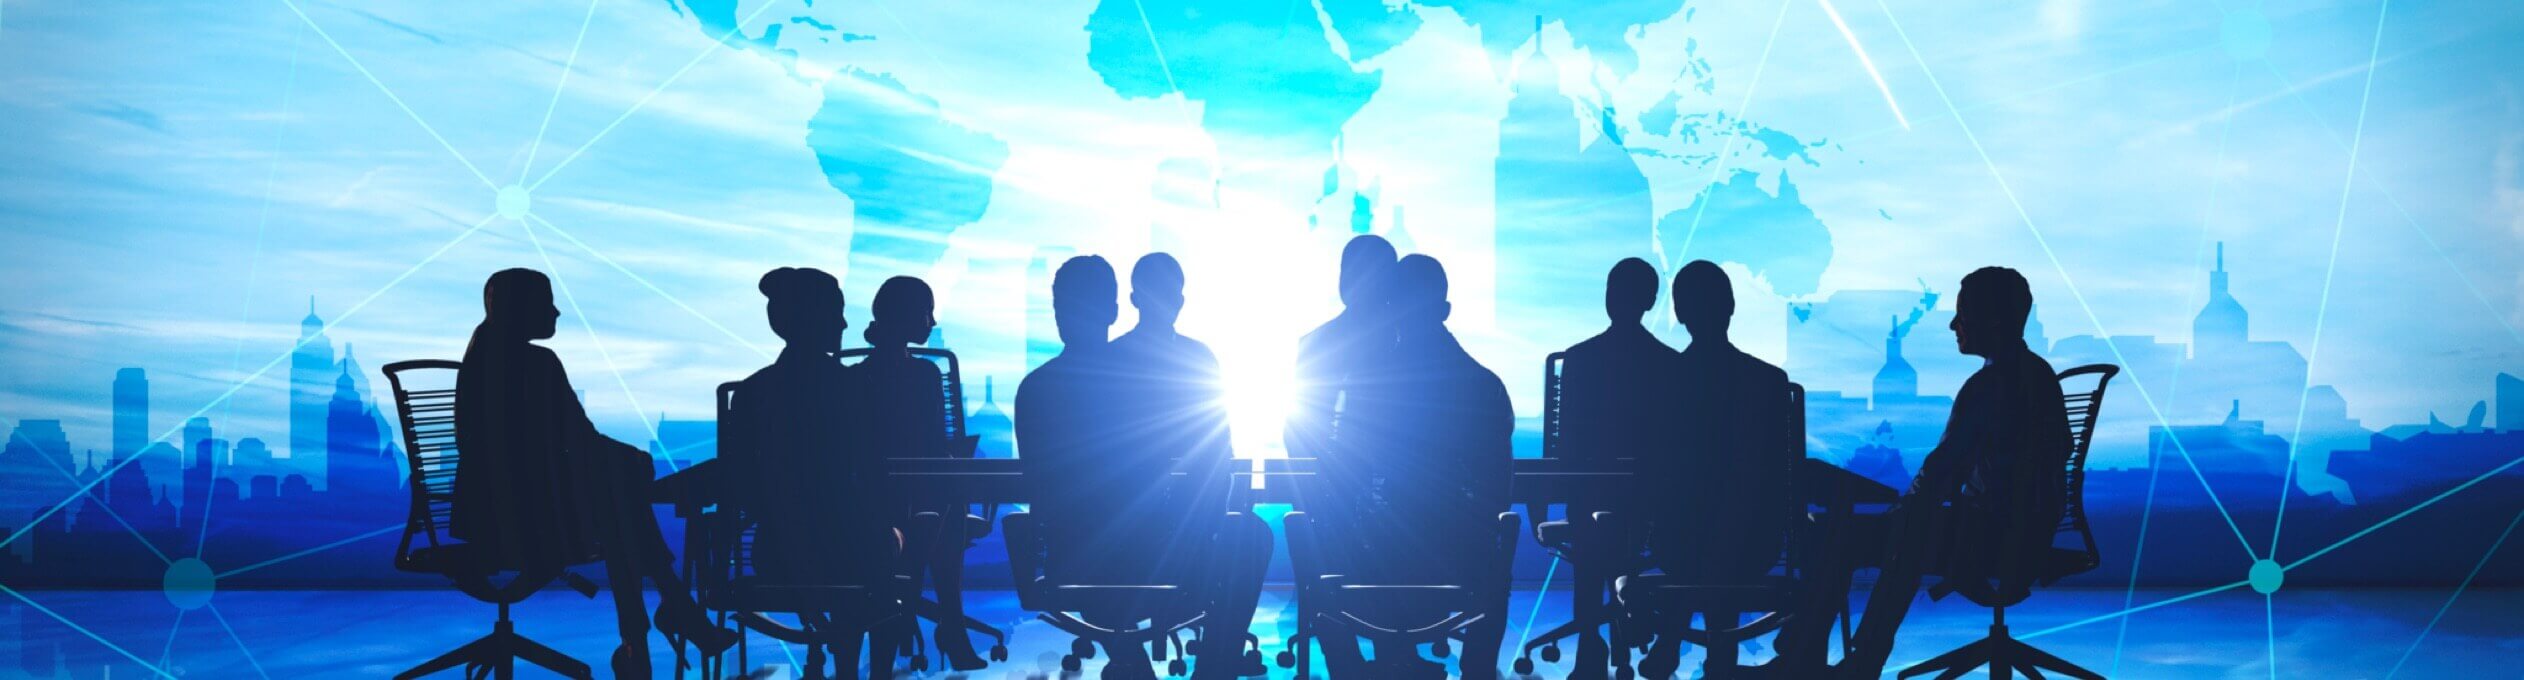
1304	547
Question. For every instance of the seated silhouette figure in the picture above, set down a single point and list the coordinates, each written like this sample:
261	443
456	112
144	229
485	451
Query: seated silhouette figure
1328	355
1988	497
791	455
1421	449
1167	387
1723	499
898	415
540	485
1615	403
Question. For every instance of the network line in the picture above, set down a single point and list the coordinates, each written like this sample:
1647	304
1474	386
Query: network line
167	654
83	630
2322	309
100	504
254	260
2405	513
713	48
2391	199
583	322
353	310
240	640
389	92
2458	594
1162	67
1718	167
2173	392
310	551
2073	292
566	68
1546	588
626	271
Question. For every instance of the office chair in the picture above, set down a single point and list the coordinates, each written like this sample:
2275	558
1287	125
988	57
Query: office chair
1577	541
1155	613
1391	616
429	449
1662	605
2001	652
728	582
977	521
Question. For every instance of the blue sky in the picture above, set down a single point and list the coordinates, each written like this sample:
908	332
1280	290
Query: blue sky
178	178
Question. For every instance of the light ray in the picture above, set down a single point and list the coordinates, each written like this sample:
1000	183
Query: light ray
310	551
83	630
1539	591
2270	624
2322	309
1868	63
2073	292
389	92
2458	594
713	48
166	655
240	640
254	259
566	68
626	271
2405	513
583	322
108	472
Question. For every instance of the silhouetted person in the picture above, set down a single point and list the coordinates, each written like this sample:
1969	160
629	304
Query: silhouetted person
902	414
1327	355
540	485
1422	447
819	511
1987	499
1168	391
1615	402
1723	501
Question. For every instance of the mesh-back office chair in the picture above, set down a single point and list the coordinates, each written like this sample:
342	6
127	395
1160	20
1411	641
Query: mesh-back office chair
1576	540
2002	653
429	448
728	582
1662	605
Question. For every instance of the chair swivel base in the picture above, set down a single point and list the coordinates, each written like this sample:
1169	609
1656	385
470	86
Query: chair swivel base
2004	655
500	651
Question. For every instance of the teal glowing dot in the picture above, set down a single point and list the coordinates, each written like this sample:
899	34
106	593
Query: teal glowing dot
189	584
2246	34
514	202
2267	576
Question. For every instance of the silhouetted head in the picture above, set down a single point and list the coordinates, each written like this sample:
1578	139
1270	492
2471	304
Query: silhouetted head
518	302
1629	290
1417	293
1157	290
805	307
1083	301
903	313
1990	312
1703	300
1362	261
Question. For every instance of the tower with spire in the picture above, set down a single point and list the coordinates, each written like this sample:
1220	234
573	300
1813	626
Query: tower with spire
1897	380
2222	325
311	377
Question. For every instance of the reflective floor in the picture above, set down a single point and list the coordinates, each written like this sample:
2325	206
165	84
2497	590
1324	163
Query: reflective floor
250	634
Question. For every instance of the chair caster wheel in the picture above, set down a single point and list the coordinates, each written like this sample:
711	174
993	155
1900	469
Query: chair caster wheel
999	653
1624	673
1082	649
1441	650
1178	668
1551	654
1287	659
1071	663
1253	658
1523	666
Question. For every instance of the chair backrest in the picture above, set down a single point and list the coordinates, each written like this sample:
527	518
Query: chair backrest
950	374
1551	403
429	447
2083	407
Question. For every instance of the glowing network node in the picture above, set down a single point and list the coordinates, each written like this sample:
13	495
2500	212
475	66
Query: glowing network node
2267	576
2246	34
515	201
189	583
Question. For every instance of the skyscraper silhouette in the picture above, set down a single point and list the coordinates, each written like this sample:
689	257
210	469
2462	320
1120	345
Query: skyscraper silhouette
311	373
131	412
